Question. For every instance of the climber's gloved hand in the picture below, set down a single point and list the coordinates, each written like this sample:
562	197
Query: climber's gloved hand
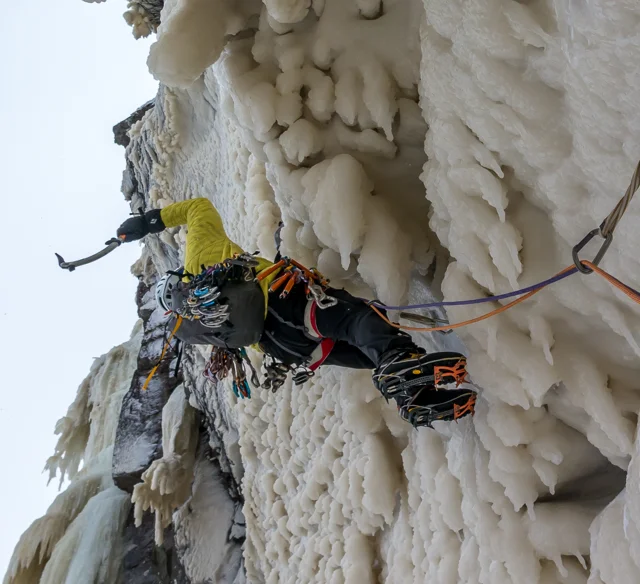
140	225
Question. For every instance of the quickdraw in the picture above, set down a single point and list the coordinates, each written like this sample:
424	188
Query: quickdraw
293	273
275	374
222	362
204	290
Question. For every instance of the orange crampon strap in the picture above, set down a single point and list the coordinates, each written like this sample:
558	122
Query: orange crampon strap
467	408
458	372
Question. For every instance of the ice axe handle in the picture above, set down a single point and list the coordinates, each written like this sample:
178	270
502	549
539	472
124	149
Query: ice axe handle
110	246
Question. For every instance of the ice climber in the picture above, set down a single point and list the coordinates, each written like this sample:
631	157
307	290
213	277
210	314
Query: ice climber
231	300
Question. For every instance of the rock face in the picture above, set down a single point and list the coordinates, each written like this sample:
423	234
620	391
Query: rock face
146	563
121	129
143	16
210	530
222	433
205	543
130	185
139	434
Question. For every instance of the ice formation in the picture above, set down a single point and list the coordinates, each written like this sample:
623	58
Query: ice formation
77	540
337	488
414	150
166	485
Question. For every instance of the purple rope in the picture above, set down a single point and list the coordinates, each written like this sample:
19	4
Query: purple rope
482	300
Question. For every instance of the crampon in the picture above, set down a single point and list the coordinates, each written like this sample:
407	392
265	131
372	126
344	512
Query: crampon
429	405
402	374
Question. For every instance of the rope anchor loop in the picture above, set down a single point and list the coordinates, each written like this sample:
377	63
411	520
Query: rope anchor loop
608	238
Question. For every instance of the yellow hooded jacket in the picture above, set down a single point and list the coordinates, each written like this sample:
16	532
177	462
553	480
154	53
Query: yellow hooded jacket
207	242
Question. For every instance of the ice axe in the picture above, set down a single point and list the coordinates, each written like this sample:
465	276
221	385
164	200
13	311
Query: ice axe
110	246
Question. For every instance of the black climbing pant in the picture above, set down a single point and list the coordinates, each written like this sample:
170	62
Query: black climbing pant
361	336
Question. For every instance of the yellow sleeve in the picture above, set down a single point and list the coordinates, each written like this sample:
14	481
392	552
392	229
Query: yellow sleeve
193	212
207	242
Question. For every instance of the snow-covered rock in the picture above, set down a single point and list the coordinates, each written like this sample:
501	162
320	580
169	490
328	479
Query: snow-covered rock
138	441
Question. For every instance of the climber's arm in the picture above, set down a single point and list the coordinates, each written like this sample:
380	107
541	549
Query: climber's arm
197	214
207	241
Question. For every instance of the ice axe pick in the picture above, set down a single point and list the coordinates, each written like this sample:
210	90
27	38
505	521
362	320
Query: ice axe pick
112	244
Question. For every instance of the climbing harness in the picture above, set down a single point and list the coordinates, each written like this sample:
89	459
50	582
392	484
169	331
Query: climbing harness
276	372
223	362
293	273
315	289
605	230
202	304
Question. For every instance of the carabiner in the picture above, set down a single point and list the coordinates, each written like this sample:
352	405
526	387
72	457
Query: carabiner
605	246
322	300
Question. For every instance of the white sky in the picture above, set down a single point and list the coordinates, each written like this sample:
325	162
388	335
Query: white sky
70	71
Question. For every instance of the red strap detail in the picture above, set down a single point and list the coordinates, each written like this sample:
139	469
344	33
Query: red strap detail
325	346
312	318
320	354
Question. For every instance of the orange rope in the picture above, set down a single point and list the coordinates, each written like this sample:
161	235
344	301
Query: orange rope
459	324
164	350
614	281
611	279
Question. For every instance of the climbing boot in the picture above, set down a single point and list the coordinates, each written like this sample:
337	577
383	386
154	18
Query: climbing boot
431	405
404	373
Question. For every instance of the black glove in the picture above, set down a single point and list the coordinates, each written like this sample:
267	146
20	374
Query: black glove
137	227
